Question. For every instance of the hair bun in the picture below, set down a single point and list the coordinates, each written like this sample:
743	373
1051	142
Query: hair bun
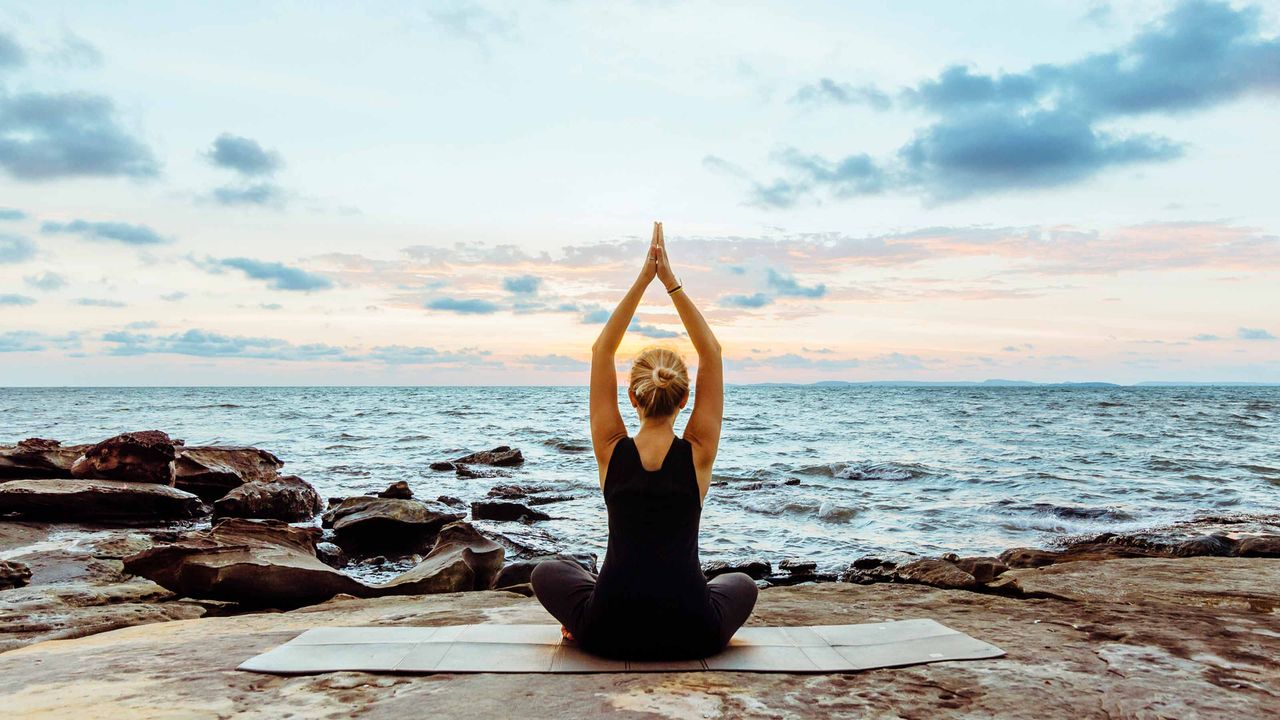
660	378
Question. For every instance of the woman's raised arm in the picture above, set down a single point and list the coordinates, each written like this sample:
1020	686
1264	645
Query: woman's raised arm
607	427
703	428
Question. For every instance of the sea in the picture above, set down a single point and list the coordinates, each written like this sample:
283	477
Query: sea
822	472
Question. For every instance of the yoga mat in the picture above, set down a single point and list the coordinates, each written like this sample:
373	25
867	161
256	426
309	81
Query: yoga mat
539	649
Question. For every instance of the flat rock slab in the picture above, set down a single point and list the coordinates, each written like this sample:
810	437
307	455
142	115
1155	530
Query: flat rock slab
524	648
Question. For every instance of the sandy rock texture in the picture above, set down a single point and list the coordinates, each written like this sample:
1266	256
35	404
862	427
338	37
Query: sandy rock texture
1133	638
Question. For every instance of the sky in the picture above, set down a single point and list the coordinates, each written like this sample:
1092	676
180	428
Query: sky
458	192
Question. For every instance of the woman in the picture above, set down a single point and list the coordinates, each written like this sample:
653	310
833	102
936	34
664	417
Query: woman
651	600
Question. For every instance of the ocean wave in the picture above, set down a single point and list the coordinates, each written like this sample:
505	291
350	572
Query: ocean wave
566	446
869	471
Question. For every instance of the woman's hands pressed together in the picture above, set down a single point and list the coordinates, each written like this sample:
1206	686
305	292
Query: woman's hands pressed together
663	264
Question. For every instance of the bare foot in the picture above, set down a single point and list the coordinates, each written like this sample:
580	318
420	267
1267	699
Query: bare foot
565	634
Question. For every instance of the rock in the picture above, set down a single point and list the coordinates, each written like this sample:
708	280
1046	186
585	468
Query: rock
13	574
36	458
501	456
331	555
1166	657
398	490
505	510
515	492
519	572
525	589
100	500
1028	557
142	457
63	566
1264	546
983	569
288	498
755	567
938	573
791	481
462	559
212	471
464	471
260	563
441	465
1216	545
450	500
797	565
369	525
868	562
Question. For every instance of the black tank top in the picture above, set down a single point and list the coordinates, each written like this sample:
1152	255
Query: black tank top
651	596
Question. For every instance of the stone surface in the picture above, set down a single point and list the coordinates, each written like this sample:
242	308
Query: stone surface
398	489
518	572
372	525
38	458
938	573
1080	660
505	510
798	565
1266	546
288	498
13	574
143	457
212	471
757	568
502	456
99	500
983	569
462	559
331	555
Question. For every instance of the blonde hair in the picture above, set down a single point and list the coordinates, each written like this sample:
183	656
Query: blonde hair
659	380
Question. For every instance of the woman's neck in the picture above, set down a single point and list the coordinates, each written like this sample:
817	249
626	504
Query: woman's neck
660	425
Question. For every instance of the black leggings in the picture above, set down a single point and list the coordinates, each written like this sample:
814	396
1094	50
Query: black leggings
564	588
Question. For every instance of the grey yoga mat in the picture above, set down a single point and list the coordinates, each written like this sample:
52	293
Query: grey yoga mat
539	649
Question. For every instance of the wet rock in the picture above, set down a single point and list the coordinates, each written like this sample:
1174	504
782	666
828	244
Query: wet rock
117	545
36	458
13	574
515	492
502	456
63	566
450	500
505	510
1213	545
331	555
464	471
288	498
755	567
212	471
100	500
525	589
1028	557
441	465
260	563
462	559
398	490
983	569
798	565
368	525
869	562
938	573
791	481
1263	546
519	572
141	457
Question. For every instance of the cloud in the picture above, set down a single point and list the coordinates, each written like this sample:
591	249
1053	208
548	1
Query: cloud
76	52
278	275
560	363
174	296
1245	333
31	341
522	284
243	155
11	299
651	331
469	20
15	249
596	317
116	231
1205	337
785	285
45	136
1041	127
746	301
792	361
462	306
98	302
255	194
47	281
12	214
417	355
827	90
11	53
201	343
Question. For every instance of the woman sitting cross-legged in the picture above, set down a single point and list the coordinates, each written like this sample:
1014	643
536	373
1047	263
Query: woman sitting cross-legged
651	599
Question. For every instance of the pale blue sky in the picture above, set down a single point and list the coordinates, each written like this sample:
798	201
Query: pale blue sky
274	192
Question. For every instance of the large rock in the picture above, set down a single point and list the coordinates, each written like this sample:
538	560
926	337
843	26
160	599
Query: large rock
144	457
757	568
502	456
253	562
462	559
1092	659
212	471
374	525
519	572
938	573
288	498
99	500
13	574
1266	546
505	510
38	458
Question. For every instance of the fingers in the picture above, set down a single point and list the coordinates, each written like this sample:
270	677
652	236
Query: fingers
662	241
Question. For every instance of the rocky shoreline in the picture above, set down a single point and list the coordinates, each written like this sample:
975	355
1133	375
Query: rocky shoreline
141	529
